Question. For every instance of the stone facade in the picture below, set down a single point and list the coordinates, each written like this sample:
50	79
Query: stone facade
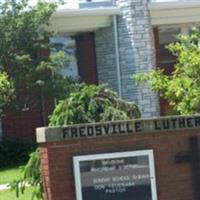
136	54
106	58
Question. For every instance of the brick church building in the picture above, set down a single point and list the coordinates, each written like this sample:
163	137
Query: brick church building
112	41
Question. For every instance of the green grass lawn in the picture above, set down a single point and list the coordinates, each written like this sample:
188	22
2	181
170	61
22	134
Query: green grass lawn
9	174
10	195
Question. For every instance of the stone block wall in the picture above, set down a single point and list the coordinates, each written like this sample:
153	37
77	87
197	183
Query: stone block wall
106	58
136	54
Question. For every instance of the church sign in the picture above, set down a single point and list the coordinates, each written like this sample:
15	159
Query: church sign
115	160
172	123
115	176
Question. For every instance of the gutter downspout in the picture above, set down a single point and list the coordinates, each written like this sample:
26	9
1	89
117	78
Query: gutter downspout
117	53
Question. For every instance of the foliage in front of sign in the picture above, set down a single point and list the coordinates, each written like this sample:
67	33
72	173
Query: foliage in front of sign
93	104
31	176
182	88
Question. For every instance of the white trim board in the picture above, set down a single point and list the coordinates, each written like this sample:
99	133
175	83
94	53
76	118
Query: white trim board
73	21
174	12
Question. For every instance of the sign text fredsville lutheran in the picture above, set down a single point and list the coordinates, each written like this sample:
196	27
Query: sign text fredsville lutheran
129	127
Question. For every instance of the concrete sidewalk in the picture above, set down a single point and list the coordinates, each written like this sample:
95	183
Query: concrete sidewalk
4	186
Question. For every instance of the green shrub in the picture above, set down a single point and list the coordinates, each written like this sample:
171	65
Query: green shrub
15	152
182	88
93	104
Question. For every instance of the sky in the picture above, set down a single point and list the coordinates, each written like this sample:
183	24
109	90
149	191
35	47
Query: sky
72	3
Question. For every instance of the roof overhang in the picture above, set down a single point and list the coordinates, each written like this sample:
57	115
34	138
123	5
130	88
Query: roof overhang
174	12
73	21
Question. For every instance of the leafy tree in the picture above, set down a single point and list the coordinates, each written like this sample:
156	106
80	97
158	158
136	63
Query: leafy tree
6	90
29	75
182	88
24	42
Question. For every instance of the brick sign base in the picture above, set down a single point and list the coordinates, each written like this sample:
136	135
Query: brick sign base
174	181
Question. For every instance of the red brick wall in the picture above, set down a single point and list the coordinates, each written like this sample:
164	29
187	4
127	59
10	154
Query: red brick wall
174	181
22	125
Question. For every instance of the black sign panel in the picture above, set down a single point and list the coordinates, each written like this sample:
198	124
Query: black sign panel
116	176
